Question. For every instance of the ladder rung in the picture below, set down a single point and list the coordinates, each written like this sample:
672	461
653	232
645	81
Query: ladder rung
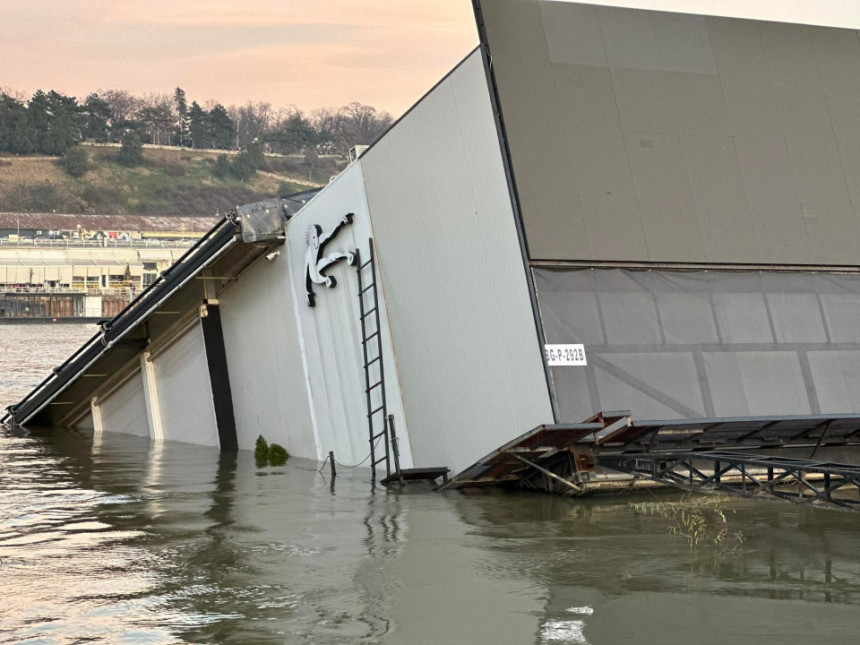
377	435
367	313
369	338
368	263
370	414
379	461
372	361
367	288
373	387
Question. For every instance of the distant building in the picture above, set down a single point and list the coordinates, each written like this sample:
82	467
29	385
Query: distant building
598	209
66	226
69	266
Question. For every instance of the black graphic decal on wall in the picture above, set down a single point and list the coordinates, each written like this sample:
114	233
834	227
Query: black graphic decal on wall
315	266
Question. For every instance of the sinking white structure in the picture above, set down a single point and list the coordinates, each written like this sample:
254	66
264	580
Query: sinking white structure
599	208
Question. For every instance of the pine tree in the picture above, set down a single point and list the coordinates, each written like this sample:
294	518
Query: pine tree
39	118
131	152
75	161
97	117
222	127
64	128
182	124
198	127
16	134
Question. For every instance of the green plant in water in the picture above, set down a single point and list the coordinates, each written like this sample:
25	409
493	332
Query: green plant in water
278	455
261	451
699	520
269	455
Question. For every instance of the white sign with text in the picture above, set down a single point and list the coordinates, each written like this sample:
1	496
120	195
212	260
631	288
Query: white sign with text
565	355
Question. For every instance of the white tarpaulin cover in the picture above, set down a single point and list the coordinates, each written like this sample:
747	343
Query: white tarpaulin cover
671	344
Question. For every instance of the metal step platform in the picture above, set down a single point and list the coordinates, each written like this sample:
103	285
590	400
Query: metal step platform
417	474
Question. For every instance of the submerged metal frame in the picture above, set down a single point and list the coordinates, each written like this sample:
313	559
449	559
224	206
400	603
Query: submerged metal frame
743	474
724	454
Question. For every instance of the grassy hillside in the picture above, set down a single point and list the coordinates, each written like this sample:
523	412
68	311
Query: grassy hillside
168	182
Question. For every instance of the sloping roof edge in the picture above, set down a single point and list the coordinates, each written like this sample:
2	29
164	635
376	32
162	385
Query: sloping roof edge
209	247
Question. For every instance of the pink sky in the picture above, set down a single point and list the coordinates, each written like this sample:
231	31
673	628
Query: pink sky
307	53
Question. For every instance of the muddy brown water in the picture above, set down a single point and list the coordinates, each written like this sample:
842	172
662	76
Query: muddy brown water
119	541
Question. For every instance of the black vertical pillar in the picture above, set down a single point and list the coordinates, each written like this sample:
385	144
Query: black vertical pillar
216	358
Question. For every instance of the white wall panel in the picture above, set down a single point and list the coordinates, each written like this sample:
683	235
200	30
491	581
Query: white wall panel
331	333
467	347
267	376
184	391
124	409
783	100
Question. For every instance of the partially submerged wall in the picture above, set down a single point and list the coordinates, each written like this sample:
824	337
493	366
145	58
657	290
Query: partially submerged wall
264	358
455	283
330	331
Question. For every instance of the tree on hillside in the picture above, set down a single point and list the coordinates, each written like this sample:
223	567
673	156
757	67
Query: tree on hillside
294	134
252	122
54	123
198	127
222	128
75	161
123	105
243	167
222	167
131	152
17	134
97	118
65	128
40	118
156	118
353	124
180	104
246	164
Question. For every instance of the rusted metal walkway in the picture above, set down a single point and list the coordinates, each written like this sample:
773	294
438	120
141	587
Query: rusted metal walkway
729	454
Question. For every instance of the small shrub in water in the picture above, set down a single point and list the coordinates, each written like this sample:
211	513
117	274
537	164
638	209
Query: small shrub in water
277	455
261	451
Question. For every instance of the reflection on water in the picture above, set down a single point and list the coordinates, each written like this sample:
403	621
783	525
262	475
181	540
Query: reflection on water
132	542
125	541
29	352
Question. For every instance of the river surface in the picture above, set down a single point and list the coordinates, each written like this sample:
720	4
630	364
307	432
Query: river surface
119	541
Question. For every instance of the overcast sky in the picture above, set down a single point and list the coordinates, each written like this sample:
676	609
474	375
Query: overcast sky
308	53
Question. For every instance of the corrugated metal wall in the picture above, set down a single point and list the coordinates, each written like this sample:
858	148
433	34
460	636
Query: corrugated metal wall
267	377
647	136
463	328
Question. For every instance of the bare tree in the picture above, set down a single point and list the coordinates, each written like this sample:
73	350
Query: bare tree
157	117
18	95
252	122
123	104
353	124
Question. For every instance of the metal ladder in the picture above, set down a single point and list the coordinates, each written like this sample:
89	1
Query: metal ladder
371	343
